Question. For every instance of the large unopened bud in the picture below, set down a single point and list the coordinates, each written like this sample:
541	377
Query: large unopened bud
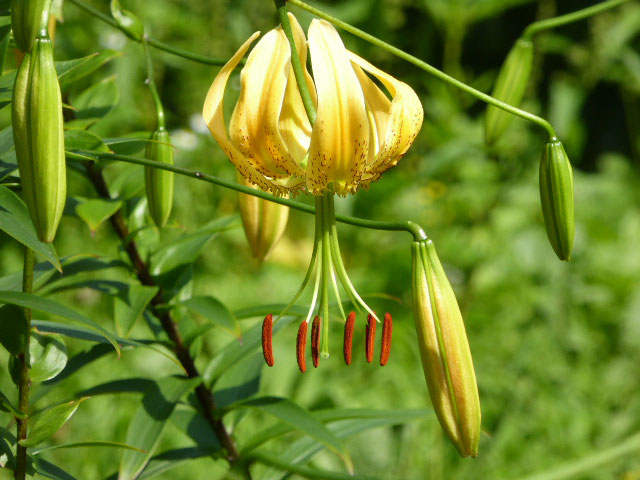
36	113
28	17
556	198
511	84
264	222
444	349
158	182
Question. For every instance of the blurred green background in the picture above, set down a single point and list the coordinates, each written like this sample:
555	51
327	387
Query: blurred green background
556	345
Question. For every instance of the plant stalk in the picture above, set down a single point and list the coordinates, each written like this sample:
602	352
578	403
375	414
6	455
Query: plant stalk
24	382
204	395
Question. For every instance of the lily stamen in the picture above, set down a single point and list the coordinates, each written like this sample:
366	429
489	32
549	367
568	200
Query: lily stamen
301	345
385	348
315	341
348	337
370	338
267	334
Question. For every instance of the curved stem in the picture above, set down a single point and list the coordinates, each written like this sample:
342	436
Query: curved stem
194	57
396	226
322	209
24	382
541	122
152	84
541	25
295	63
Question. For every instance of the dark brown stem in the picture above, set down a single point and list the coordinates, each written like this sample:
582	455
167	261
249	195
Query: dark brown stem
24	382
204	394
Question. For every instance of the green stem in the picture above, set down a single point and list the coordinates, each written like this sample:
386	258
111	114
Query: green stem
541	122
298	71
327	269
24	381
541	25
396	226
152	84
194	57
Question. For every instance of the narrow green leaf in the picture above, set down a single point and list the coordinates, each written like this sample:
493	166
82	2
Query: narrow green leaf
149	421
299	418
273	308
83	140
15	221
128	144
214	311
7	406
47	422
95	443
124	385
94	211
94	103
241	380
235	351
129	304
171	459
192	423
277	461
48	469
47	305
70	71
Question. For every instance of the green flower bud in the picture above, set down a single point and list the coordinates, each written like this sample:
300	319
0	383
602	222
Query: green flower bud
444	349
556	198
39	138
28	17
264	222
159	183
510	87
127	21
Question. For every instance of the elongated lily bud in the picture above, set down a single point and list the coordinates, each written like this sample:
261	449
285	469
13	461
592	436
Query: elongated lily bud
159	183
510	87
38	136
28	17
264	222
444	349
556	198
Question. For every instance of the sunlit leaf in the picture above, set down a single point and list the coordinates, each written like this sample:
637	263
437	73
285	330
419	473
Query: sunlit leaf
149	422
15	221
214	311
129	304
52	307
47	422
95	443
94	103
83	140
70	71
94	211
47	356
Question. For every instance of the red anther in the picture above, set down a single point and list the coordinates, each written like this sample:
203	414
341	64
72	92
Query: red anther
315	341
348	337
267	333
301	345
387	329
370	337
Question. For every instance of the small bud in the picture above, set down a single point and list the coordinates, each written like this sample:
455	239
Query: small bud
444	349
556	198
510	87
28	17
264	222
38	136
158	182
127	21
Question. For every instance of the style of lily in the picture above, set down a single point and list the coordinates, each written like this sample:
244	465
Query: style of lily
360	131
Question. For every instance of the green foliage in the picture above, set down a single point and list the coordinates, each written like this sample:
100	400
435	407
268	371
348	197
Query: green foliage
555	345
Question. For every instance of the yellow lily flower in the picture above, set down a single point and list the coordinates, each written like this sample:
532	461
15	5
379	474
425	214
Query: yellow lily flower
359	131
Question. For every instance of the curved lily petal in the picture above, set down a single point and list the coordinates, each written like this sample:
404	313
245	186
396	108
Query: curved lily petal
294	123
254	123
340	137
404	123
214	117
